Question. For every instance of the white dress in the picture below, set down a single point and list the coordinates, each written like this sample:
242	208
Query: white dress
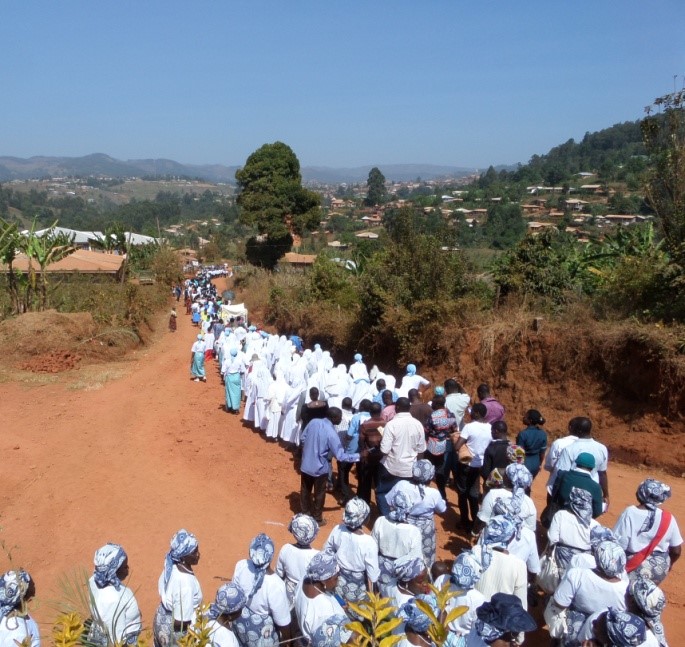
221	636
14	629
117	611
312	612
291	566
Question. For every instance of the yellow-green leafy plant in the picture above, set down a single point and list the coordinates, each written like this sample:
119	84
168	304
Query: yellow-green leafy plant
439	629
199	634
68	630
378	621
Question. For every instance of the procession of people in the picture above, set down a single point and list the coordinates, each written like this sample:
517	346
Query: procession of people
392	452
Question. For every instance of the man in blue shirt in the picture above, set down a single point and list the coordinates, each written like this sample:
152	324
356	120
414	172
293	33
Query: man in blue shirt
319	439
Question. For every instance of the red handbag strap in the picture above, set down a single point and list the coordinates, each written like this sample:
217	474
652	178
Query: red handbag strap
640	557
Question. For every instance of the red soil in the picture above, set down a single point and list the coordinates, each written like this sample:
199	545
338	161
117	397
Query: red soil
153	452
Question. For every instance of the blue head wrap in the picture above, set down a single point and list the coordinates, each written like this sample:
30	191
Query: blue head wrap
651	601
610	558
332	632
625	629
13	587
304	528
415	619
408	567
199	337
580	502
439	390
598	534
498	533
423	472
229	599
411	369
358	357
652	493
322	566
466	571
400	506
108	561
521	479
183	543
234	352
317	346
261	554
357	511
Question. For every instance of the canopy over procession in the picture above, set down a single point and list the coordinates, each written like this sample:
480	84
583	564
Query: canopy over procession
393	458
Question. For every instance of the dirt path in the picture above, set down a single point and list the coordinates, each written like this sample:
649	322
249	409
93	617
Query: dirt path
151	452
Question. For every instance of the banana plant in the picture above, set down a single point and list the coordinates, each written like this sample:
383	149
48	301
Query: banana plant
10	245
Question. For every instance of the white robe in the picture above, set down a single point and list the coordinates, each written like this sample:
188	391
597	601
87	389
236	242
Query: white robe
276	400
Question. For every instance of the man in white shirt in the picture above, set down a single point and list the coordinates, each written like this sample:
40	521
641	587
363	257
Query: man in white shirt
404	440
582	428
552	457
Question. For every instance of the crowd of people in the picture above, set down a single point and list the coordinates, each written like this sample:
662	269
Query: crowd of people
599	585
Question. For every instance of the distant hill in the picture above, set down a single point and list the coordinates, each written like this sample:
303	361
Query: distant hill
99	164
397	172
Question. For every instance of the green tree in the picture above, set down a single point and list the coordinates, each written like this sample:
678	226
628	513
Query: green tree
664	138
10	245
376	193
272	199
505	226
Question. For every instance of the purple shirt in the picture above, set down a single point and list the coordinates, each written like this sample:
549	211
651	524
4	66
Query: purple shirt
495	410
320	438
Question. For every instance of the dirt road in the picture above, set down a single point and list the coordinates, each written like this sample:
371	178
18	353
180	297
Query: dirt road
152	452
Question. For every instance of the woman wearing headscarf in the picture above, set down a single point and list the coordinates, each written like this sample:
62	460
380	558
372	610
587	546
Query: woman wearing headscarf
533	440
197	360
179	590
583	591
649	535
361	384
275	403
502	571
416	626
226	608
17	627
232	368
440	426
499	622
570	530
114	609
426	502
466	572
410	381
517	479
294	399
315	602
615	628
396	538
266	613
647	600
356	552
411	577
293	559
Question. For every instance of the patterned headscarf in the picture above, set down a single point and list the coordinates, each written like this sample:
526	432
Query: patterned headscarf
610	558
521	479
498	533
598	534
506	508
322	567
108	561
183	543
261	554
652	493
466	571
503	614
408	567
516	454
13	587
357	511
580	502
415	619
332	632
652	602
229	599
423	472
304	528
625	629
400	506
411	369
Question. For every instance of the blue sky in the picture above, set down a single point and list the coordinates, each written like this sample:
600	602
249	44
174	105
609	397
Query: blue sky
343	83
